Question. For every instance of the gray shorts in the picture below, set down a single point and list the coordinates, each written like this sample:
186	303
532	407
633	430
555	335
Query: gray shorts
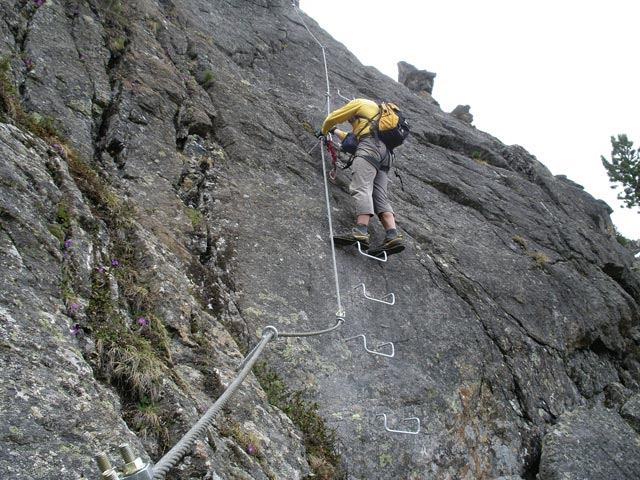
369	188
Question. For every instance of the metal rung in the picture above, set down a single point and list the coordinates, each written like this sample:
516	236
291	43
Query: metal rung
409	432
343	97
371	256
373	352
381	299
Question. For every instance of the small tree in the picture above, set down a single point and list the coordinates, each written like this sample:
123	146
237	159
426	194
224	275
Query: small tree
624	169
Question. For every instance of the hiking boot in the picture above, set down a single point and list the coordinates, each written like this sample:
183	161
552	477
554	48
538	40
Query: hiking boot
356	235
391	245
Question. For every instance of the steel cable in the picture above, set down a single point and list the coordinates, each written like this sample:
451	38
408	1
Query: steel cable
339	322
171	458
340	313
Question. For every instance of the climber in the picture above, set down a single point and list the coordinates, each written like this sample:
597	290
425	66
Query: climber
368	185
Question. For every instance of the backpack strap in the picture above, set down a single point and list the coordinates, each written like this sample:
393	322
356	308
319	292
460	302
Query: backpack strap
349	162
395	169
370	120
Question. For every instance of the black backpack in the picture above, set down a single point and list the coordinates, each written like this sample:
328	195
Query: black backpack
390	125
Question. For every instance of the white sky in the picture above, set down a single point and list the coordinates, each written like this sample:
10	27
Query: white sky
558	77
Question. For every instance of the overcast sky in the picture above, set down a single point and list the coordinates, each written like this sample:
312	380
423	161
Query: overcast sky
558	77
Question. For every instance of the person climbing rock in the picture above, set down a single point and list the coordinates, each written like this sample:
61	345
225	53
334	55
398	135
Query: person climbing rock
368	187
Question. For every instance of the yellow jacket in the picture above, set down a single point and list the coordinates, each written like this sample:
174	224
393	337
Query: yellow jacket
359	107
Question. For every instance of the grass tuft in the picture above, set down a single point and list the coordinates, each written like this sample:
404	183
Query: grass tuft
540	260
319	440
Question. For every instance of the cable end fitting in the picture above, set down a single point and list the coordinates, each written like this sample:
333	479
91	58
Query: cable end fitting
270	328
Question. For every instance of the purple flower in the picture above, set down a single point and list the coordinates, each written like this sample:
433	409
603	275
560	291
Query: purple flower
251	449
203	409
75	330
67	243
39	2
100	270
74	307
28	63
114	263
142	321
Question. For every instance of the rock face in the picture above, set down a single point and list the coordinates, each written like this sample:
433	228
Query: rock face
590	443
159	207
418	81
463	112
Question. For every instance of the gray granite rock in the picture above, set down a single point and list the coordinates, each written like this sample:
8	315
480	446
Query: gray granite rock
590	443
184	153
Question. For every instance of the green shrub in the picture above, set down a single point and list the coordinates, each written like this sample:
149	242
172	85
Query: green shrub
206	78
